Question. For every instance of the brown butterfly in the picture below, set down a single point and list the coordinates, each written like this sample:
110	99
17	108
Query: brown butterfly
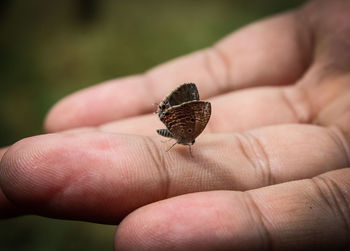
184	115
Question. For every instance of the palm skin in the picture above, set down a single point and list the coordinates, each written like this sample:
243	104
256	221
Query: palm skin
269	172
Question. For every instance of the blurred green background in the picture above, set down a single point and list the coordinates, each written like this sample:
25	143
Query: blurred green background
49	49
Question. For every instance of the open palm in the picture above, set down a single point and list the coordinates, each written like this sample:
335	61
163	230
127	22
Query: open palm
269	171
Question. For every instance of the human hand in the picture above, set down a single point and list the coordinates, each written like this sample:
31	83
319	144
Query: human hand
277	143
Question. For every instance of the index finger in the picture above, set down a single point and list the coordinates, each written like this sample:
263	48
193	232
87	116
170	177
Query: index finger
102	177
244	59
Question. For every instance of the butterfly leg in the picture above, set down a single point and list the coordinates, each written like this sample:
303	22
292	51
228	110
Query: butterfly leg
166	133
189	147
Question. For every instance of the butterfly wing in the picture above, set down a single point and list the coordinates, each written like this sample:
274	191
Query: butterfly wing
186	121
202	111
184	93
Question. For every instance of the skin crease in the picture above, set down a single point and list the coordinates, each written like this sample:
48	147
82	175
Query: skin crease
269	172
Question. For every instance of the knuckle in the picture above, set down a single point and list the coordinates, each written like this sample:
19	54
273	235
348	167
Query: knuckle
262	223
333	197
256	154
218	67
159	162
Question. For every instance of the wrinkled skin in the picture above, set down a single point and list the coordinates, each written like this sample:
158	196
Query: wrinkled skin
269	172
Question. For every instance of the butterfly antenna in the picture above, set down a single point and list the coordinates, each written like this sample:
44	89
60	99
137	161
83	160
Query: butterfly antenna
172	146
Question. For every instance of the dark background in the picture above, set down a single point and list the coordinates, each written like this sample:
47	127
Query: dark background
49	49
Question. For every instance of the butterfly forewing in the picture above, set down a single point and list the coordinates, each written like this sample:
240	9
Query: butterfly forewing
184	93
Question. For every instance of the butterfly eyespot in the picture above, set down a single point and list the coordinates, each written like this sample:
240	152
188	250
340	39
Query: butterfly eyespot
192	120
182	130
189	130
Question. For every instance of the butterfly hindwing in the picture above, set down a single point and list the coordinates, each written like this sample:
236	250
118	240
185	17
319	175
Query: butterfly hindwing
186	121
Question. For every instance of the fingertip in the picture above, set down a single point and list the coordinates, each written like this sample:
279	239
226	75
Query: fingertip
74	174
67	113
52	122
80	109
99	104
20	171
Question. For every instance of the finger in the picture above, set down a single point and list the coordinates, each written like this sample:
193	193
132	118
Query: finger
234	112
75	175
2	151
238	61
288	216
7	209
246	109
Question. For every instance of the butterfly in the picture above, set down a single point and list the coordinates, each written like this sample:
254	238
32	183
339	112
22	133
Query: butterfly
184	115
